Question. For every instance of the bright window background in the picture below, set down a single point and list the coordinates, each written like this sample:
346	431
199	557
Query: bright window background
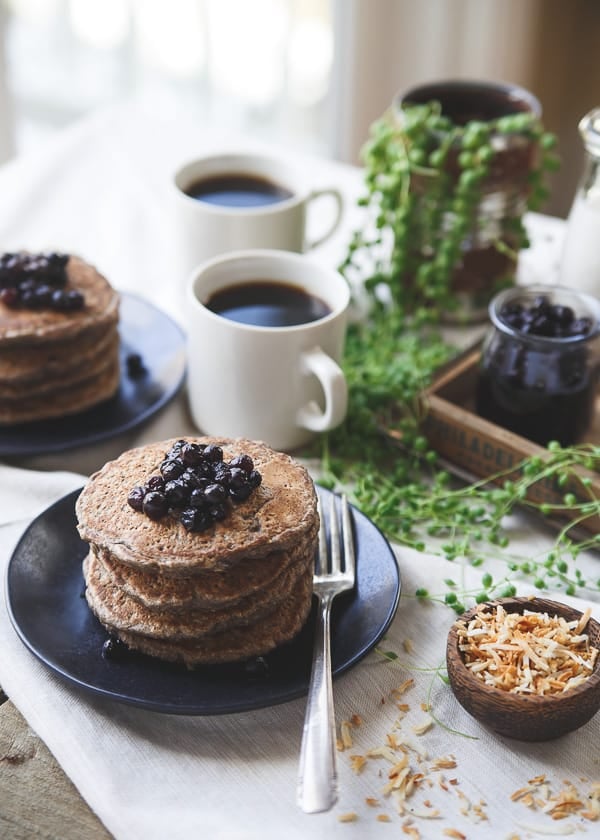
259	66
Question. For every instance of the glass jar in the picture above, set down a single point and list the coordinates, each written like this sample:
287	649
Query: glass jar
580	264
541	386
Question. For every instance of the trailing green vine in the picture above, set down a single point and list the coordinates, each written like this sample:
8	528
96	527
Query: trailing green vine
425	177
397	482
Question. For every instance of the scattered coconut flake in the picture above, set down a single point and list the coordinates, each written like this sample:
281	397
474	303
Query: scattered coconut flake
350	816
423	727
403	687
382	818
408	646
453	832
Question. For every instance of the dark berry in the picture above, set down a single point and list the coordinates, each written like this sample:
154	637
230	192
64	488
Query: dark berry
9	296
198	499
244	462
155	482
192	455
222	475
237	478
136	498
215	494
213	453
113	648
254	479
194	519
155	505
241	492
172	469
177	493
135	366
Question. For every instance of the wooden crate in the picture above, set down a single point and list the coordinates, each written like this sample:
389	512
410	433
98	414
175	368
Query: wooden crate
474	448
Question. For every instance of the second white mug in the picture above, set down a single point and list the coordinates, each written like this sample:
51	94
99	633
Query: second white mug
232	202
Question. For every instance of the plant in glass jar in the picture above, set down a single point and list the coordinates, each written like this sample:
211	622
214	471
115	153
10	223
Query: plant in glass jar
450	170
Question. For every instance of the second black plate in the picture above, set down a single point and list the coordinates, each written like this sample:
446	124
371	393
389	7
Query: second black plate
160	342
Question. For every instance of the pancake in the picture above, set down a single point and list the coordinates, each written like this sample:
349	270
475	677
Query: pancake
112	606
235	590
54	378
63	401
240	643
207	590
29	326
279	513
30	364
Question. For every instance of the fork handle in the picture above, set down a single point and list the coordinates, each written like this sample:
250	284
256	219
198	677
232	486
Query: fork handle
317	780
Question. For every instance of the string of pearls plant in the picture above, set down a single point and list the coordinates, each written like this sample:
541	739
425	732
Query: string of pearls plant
425	178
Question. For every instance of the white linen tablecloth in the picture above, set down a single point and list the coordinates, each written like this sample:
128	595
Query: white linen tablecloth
100	191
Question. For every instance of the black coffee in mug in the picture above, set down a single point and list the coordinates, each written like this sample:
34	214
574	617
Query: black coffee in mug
238	190
265	304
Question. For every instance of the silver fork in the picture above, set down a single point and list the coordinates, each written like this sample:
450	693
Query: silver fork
317	779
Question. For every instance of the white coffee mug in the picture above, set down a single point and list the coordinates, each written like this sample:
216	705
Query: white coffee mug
278	384
204	229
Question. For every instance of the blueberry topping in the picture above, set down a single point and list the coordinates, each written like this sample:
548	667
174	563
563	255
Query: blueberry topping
37	281
155	504
136	498
195	485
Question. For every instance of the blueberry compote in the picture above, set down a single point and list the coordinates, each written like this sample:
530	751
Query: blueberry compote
195	485
37	281
539	363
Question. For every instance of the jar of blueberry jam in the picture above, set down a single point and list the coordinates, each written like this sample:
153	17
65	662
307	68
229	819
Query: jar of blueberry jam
539	363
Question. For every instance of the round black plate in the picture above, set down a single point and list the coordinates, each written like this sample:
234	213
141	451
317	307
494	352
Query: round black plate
145	330
47	608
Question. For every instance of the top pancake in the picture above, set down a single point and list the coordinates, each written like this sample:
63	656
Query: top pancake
29	326
279	513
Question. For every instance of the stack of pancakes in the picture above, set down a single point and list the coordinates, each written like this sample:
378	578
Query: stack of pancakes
57	363
232	592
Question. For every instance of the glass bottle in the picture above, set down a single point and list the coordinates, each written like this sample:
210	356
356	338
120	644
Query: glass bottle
580	264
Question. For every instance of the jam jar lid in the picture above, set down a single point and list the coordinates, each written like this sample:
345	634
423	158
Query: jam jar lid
583	306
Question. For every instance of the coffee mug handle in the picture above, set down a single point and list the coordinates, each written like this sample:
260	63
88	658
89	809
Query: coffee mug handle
337	196
332	380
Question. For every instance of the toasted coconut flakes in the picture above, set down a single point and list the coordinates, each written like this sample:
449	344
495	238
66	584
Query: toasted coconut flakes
357	762
382	752
403	687
404	707
345	734
444	763
392	741
453	832
350	816
356	720
529	652
427	814
382	818
423	727
425	707
408	646
339	745
412	831
372	802
563	830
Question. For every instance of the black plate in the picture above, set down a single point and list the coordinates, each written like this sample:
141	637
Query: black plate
145	330
47	608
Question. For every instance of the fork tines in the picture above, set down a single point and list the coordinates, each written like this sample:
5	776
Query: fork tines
336	557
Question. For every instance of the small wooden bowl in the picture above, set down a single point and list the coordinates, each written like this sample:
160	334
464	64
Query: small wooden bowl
519	716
